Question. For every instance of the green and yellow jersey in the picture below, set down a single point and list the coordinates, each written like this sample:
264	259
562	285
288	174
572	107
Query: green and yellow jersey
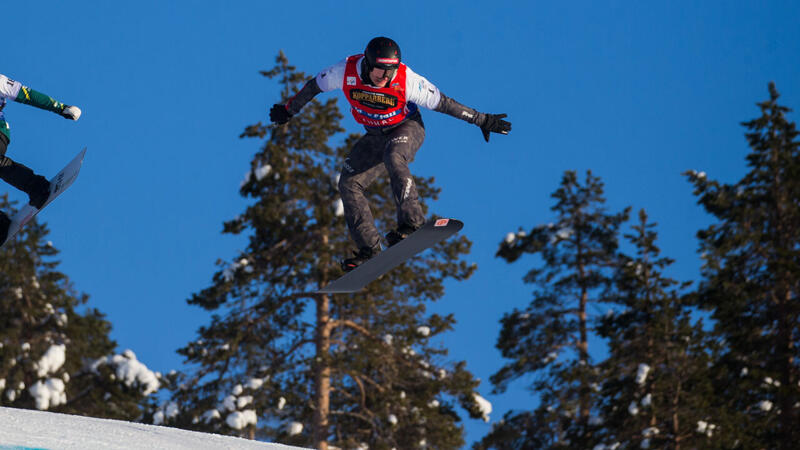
14	90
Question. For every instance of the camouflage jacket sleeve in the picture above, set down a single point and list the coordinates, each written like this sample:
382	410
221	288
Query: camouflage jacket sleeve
451	107
424	93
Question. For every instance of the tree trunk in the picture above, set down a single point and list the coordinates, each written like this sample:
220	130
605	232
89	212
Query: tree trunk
322	393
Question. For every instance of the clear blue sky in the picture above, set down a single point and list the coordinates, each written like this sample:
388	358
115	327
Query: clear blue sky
635	91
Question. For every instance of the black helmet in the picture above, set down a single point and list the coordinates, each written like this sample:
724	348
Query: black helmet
382	53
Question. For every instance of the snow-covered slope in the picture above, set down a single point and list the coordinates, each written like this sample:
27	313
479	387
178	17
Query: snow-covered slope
20	429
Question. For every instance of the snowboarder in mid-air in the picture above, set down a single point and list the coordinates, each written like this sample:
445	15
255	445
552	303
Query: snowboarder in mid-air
385	96
21	177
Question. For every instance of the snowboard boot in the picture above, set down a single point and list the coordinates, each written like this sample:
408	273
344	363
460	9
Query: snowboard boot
363	254
5	223
23	178
402	232
38	191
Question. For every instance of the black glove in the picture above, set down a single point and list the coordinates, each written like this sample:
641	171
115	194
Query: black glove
494	123
279	114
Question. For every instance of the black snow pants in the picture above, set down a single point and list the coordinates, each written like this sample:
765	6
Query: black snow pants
394	149
12	172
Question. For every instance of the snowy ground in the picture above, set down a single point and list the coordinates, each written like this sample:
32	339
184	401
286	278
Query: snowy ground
23	429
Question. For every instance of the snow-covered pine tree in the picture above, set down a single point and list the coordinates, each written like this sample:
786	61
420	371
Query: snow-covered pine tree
55	353
752	280
282	363
549	339
656	384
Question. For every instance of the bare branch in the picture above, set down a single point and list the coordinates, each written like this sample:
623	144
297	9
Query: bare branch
350	324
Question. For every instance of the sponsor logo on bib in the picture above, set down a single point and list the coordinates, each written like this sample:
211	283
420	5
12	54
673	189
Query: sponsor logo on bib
375	100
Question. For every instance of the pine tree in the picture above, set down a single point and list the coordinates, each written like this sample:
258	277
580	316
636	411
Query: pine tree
656	379
52	356
751	274
550	338
282	363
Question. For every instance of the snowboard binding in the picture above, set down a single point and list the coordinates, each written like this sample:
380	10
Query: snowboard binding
363	254
402	232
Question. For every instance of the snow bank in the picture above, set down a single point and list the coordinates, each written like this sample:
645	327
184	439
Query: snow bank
39	429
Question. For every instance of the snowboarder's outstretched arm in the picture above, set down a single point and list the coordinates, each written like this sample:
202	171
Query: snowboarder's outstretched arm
424	93
328	80
14	90
488	123
281	114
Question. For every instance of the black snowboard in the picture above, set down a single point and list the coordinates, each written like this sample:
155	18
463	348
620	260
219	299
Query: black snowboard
432	232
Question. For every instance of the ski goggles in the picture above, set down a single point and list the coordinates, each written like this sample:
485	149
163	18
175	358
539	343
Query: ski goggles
383	72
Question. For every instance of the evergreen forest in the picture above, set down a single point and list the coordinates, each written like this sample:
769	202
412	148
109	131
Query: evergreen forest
711	362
